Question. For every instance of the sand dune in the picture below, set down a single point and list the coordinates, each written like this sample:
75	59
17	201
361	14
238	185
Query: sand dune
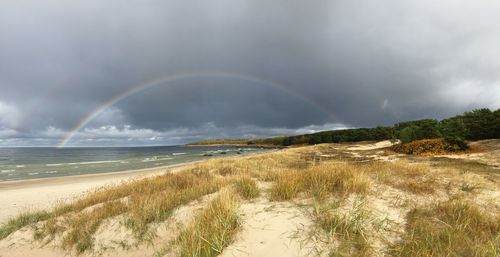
314	201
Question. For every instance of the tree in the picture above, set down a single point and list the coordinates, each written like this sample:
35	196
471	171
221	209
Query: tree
408	134
453	127
480	124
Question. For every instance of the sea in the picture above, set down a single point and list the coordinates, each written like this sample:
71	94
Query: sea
45	162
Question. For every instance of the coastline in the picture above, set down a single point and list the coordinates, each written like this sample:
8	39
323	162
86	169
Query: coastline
17	196
28	194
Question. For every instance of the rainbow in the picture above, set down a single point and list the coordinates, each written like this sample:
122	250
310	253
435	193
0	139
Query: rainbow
177	77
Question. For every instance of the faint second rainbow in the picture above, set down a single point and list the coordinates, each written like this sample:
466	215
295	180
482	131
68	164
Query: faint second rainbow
176	77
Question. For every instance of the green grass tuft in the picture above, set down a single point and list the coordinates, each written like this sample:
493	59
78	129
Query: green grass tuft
212	230
22	220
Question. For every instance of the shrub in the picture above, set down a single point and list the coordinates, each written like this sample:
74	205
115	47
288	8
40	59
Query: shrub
431	146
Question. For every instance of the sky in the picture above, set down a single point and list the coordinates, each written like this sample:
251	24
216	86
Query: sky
161	72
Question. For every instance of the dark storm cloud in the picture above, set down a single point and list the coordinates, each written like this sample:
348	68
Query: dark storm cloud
343	64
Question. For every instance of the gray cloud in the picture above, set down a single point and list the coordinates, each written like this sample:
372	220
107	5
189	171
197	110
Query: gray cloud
353	63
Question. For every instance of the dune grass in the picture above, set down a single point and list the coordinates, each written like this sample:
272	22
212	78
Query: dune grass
445	229
142	202
246	187
212	230
320	181
451	228
144	209
24	219
83	225
349	227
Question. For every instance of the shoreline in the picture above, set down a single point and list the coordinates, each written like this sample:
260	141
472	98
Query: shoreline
9	184
40	193
32	194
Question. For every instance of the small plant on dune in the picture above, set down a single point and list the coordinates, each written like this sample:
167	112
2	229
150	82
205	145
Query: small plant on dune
212	230
452	228
84	225
246	187
22	220
347	226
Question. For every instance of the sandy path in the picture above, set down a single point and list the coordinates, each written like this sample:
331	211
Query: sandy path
378	145
270	230
20	195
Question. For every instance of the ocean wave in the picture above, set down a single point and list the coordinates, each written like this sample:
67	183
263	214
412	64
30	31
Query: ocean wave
154	159
175	154
50	172
6	171
81	163
93	162
20	166
33	173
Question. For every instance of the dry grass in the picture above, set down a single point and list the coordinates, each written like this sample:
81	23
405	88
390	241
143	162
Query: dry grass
451	228
286	187
348	226
143	202
246	187
212	230
320	181
320	176
82	226
409	177
464	165
145	208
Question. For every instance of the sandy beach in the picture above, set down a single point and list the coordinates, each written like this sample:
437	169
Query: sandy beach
279	203
16	196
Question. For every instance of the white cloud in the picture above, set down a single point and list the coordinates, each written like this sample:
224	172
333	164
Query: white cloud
128	135
6	132
10	116
472	93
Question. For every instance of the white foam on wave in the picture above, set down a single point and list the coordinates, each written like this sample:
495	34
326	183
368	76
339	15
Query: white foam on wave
155	158
20	166
50	172
7	171
93	162
81	163
175	154
33	173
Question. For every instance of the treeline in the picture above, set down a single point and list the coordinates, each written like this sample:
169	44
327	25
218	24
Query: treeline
474	125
